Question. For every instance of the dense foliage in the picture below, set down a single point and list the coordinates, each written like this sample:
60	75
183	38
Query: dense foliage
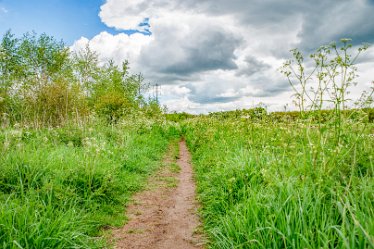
43	83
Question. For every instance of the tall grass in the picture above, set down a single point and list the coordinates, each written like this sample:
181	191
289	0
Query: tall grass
59	187
308	183
278	185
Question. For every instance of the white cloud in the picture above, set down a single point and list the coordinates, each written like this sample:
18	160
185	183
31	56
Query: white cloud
117	47
218	55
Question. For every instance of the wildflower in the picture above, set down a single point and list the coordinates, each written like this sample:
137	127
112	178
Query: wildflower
6	145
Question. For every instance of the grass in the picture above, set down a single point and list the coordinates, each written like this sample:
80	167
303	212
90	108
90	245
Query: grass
261	183
266	184
175	168
60	187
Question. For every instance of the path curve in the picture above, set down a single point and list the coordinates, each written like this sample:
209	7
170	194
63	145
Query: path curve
164	217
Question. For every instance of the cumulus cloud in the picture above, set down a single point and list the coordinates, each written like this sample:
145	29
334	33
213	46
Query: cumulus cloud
217	55
116	47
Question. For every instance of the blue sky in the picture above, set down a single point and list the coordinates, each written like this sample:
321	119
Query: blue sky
63	19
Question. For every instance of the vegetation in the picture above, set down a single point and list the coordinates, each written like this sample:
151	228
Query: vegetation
290	180
43	83
278	186
59	186
78	138
72	150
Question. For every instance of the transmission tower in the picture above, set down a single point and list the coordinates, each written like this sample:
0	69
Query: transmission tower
157	91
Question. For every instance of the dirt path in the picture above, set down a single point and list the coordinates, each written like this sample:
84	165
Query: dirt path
164	216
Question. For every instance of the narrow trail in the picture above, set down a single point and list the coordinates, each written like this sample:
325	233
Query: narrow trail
164	216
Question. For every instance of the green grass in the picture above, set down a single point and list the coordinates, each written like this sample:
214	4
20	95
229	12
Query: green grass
60	187
175	168
261	184
279	185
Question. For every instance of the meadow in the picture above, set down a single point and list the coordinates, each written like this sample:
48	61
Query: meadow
301	179
61	187
266	184
262	183
78	138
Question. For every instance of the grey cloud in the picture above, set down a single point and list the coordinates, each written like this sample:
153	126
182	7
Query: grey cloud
211	100
322	20
332	20
171	78
211	92
252	66
253	11
272	28
184	55
271	90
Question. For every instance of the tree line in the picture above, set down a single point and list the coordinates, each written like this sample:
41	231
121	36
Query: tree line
44	83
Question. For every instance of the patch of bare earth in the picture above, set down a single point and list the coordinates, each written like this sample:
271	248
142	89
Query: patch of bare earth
164	215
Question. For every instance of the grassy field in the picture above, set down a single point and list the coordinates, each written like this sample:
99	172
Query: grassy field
59	187
264	184
300	179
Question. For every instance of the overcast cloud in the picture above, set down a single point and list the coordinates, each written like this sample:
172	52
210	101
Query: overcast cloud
211	55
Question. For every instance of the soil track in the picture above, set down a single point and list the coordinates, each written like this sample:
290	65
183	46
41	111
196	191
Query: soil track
164	216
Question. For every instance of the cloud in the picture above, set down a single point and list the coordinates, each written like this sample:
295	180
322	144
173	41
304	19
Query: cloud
252	65
209	48
212	55
125	16
117	47
333	20
213	91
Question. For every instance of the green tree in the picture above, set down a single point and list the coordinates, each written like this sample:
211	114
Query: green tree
87	70
43	83
117	93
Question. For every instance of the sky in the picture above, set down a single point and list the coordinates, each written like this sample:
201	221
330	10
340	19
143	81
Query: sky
207	55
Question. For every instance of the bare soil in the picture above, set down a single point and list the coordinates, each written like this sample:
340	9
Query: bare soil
164	215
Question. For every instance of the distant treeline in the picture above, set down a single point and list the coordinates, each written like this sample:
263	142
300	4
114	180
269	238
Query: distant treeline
260	113
43	83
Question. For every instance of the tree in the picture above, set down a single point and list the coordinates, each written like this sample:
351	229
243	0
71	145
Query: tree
87	70
117	93
42	83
